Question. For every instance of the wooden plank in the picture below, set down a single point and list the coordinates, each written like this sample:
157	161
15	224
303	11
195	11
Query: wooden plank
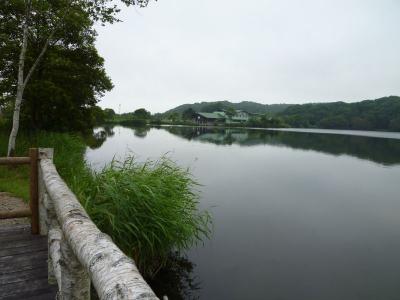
34	197
10	255
7	229
12	214
15	160
21	250
24	268
39	294
19	243
13	262
30	287
23	265
39	272
17	236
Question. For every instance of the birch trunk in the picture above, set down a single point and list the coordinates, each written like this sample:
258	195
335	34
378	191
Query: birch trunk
21	82
20	87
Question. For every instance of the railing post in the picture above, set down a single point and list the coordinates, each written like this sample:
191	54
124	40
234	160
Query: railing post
48	220
46	211
33	201
75	282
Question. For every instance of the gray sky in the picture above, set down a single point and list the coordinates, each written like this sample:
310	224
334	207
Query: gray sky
268	51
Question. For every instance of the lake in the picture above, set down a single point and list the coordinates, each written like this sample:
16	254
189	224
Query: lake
297	215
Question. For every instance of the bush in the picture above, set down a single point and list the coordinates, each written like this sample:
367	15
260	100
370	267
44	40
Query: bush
148	209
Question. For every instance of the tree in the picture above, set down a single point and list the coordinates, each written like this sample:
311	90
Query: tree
230	111
174	117
44	22
109	113
142	114
188	114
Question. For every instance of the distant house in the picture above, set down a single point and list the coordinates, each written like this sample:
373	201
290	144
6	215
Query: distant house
215	118
241	116
221	117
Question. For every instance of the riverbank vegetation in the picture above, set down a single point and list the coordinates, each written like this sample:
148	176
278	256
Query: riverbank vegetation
149	209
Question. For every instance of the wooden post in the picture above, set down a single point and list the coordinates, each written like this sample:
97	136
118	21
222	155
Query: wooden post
75	282
46	209
48	224
55	260
33	203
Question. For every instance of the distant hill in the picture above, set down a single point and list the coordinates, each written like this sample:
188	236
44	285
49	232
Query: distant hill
378	114
249	106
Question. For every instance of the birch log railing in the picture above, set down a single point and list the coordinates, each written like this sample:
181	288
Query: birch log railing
79	253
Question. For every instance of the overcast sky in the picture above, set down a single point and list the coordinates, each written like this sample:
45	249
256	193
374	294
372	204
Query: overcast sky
268	51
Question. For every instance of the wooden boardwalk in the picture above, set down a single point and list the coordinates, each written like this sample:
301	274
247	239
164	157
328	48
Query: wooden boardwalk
23	264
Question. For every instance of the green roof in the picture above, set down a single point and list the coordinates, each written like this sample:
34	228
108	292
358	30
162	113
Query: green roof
211	115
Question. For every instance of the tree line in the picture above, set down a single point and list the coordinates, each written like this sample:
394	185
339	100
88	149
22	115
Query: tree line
51	75
379	114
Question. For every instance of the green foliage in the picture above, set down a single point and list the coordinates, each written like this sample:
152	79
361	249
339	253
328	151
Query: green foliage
65	87
266	121
141	114
230	111
109	113
174	117
68	157
140	117
70	79
379	114
248	106
149	209
188	114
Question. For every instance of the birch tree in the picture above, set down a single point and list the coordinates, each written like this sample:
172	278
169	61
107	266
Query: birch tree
54	12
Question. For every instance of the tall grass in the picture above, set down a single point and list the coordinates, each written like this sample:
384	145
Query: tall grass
69	150
149	209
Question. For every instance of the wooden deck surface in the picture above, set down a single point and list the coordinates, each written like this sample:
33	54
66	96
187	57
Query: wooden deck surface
23	264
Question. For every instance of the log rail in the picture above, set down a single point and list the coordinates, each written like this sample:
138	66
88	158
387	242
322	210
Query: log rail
33	210
79	254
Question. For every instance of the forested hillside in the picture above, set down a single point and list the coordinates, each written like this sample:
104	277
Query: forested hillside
379	114
252	107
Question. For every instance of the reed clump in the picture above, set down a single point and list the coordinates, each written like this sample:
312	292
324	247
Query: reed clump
149	209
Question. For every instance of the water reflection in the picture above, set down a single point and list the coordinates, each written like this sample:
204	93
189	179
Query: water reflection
383	151
141	131
176	280
288	224
99	136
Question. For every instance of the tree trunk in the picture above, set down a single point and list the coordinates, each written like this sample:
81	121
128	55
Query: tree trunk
21	81
20	92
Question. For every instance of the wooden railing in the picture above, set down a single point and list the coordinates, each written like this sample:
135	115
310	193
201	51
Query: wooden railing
79	253
33	210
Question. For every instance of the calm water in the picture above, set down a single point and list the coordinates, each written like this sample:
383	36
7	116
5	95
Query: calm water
297	215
